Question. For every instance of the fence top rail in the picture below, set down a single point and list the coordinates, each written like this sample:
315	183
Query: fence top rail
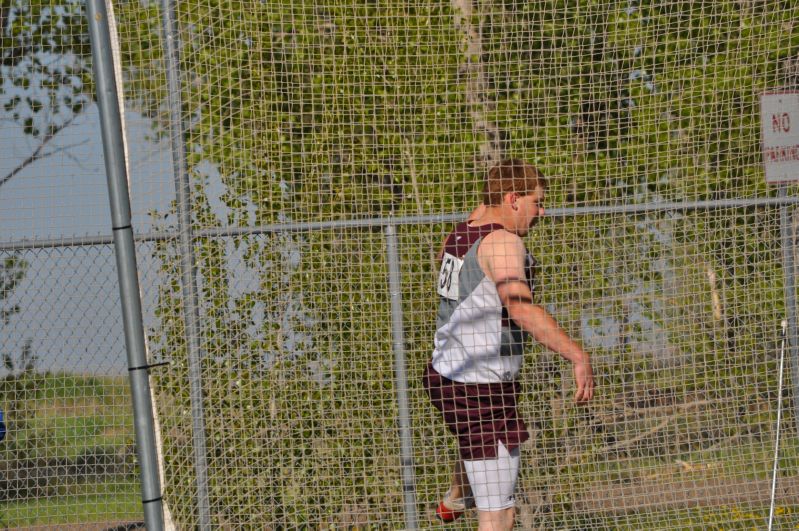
385	221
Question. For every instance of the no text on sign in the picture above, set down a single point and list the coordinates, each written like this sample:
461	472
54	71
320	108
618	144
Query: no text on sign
779	126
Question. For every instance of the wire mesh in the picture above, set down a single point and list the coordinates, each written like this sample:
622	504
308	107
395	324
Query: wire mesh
681	431
326	111
68	455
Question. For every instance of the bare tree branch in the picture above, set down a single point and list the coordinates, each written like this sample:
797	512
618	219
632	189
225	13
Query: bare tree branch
65	150
75	159
38	153
673	412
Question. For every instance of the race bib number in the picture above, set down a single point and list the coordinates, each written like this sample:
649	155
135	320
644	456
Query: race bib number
448	277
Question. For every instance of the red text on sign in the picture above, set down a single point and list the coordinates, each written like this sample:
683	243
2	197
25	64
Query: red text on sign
782	154
781	123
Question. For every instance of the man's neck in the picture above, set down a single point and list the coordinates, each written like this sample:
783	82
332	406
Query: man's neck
492	214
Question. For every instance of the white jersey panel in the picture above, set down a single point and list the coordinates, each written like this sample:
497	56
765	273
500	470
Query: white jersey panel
468	347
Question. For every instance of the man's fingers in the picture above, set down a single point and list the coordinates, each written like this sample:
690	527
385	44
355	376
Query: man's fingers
579	396
585	383
585	391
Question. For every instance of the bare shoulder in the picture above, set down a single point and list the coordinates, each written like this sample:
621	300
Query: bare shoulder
502	243
501	255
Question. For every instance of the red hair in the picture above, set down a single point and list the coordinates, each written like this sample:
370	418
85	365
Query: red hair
511	175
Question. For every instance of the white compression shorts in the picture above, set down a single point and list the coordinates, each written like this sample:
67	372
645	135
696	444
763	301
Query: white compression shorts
493	481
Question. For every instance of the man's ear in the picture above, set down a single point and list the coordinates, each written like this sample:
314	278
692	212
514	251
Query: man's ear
511	198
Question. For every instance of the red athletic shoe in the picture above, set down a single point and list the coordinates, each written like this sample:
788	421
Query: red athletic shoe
450	510
447	515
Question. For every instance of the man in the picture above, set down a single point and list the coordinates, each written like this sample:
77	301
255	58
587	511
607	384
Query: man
486	310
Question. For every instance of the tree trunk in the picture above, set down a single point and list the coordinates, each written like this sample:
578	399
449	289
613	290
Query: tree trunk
480	105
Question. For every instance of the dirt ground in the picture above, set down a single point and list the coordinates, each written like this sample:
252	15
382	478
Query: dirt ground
96	526
699	492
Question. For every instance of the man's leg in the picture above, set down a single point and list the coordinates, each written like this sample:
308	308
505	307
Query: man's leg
459	487
501	520
493	484
457	498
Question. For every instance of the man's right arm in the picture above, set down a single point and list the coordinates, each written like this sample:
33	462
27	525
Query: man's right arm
543	327
502	256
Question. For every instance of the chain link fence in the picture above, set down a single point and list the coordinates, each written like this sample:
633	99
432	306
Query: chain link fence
69	452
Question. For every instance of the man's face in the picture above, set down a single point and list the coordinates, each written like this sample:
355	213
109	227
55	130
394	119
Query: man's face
529	208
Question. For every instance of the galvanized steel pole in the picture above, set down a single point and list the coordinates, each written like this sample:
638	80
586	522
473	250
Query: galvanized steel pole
789	268
189	287
401	376
119	199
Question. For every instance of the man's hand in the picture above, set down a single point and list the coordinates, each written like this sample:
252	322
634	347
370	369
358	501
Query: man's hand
584	377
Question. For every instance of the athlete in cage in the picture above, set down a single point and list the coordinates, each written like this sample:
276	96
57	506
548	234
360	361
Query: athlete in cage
486	310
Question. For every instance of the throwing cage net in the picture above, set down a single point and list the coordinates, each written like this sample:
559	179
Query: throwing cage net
331	145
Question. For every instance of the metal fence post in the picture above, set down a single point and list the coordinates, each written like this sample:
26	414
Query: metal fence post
189	287
788	266
400	373
125	251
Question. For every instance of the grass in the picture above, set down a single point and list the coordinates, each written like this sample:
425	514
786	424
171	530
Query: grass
733	518
63	415
109	503
61	418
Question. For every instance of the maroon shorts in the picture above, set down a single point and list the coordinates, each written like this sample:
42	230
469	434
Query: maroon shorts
479	415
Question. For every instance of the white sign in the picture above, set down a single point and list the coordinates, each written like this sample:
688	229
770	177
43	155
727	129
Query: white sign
779	126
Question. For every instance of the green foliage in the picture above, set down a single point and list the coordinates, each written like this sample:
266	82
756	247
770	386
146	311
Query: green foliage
320	111
45	72
635	103
12	272
119	502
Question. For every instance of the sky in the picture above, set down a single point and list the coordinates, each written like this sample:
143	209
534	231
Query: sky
69	299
